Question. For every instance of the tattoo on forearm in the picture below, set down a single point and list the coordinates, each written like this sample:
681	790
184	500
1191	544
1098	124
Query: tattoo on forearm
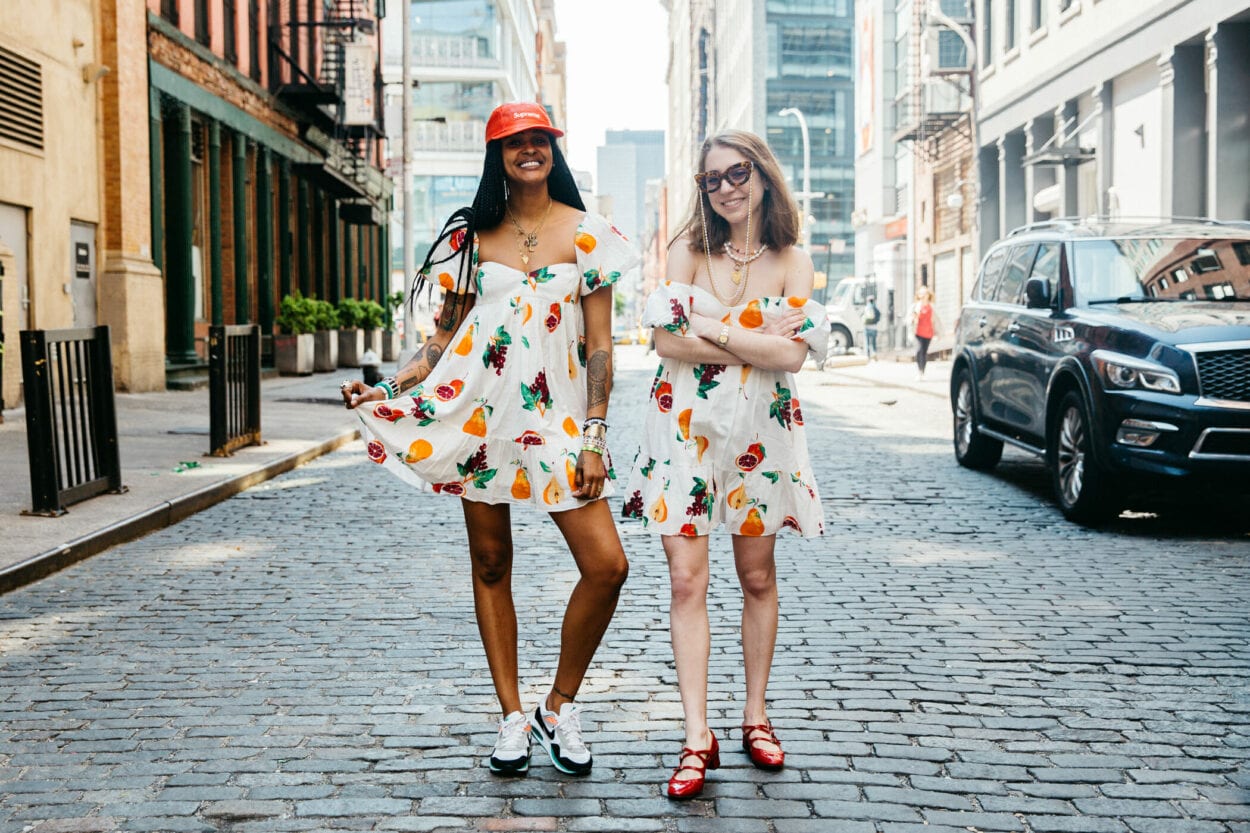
447	318
433	352
598	378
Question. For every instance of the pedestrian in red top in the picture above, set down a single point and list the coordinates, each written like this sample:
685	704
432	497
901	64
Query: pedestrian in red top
924	326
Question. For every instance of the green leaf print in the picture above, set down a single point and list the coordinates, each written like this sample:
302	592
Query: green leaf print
481	478
771	476
780	407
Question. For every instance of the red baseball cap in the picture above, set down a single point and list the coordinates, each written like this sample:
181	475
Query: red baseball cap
507	119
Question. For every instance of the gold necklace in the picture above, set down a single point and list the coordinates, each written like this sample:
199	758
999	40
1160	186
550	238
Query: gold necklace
527	241
741	259
740	284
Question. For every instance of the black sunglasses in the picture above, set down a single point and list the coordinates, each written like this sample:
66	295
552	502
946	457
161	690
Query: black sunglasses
736	174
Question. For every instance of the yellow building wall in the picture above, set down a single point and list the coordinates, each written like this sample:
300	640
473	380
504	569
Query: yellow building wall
60	183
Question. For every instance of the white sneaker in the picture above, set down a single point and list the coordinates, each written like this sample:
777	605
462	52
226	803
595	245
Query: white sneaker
561	736
511	755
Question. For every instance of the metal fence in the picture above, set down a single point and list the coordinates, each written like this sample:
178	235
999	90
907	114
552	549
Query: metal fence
233	388
71	423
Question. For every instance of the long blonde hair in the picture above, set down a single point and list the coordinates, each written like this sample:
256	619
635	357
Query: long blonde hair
779	224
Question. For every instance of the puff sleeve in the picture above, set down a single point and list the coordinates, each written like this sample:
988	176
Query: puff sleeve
666	307
814	330
603	253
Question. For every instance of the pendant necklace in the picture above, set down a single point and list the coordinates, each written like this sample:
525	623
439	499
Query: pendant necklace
742	259
527	241
739	281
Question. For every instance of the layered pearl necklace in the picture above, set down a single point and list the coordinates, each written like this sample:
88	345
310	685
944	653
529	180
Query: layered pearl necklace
742	259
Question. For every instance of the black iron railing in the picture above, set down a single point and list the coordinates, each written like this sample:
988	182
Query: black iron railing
71	424
233	388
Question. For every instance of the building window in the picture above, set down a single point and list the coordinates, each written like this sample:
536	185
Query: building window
1009	37
987	33
169	10
253	39
1039	14
201	21
229	25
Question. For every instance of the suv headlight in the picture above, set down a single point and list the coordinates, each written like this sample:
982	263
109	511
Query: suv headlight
1122	372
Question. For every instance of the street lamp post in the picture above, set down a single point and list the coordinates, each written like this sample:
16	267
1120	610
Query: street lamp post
410	325
806	194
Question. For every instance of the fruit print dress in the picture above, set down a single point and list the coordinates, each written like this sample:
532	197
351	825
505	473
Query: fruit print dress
725	444
499	419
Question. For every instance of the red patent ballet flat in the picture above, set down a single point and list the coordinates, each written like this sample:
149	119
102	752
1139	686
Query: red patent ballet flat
752	736
690	787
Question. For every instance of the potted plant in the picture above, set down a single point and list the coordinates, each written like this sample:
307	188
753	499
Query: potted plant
374	320
351	333
293	346
326	340
391	342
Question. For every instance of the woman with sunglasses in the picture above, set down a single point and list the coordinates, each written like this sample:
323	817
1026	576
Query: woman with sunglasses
723	441
507	403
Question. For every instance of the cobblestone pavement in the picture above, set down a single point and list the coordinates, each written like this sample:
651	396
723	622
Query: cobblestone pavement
953	656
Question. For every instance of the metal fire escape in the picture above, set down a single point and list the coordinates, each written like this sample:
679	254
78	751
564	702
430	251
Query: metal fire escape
331	101
935	59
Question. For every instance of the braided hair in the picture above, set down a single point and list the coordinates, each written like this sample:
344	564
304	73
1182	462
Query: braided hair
487	212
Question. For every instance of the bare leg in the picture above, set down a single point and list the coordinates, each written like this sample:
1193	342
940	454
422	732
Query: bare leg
490	550
690	632
596	547
757	573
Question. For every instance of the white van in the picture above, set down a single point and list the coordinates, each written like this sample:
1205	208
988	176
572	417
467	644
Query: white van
845	313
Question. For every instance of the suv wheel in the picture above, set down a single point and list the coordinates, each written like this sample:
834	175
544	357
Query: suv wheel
973	450
1082	489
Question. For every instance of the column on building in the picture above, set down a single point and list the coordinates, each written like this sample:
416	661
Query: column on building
1228	83
130	283
216	293
179	231
264	240
1012	205
1104	107
1183	131
990	219
238	201
1038	178
1068	180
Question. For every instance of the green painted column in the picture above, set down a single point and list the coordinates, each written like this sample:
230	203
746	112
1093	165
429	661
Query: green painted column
384	259
242	286
361	263
318	262
179	276
380	282
264	240
336	253
157	184
284	228
303	242
214	223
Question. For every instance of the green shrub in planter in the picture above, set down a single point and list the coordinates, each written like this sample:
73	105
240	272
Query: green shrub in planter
394	303
297	314
327	317
351	314
374	315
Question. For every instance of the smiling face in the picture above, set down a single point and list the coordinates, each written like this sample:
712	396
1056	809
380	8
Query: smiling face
729	200
527	156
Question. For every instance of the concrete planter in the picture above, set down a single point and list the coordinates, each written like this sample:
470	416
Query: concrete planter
326	354
351	347
293	354
373	341
391	345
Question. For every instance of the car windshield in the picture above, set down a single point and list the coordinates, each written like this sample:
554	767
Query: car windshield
1161	269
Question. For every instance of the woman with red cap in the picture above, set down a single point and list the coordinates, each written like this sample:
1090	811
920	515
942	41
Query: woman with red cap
507	403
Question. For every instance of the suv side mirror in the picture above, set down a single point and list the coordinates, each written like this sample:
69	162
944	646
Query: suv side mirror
1037	293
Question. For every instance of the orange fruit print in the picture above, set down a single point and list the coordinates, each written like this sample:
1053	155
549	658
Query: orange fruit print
753	525
751	317
521	485
465	347
659	511
418	451
585	242
683	423
476	424
553	494
570	427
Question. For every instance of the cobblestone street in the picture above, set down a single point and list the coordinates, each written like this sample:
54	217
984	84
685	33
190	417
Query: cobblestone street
953	656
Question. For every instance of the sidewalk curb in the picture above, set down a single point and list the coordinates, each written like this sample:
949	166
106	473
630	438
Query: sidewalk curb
165	514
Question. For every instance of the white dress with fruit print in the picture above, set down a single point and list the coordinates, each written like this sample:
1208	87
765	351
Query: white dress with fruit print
499	419
725	444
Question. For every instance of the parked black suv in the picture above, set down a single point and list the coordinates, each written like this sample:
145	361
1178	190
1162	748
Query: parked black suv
1118	351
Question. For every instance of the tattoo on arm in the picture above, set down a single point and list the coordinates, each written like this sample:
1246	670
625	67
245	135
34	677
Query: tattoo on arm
433	352
447	319
598	379
419	366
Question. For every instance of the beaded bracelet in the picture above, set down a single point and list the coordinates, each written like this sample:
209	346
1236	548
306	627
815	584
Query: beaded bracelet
390	386
595	421
595	445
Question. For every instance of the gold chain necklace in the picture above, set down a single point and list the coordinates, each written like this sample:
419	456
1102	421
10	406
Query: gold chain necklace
741	259
740	287
527	241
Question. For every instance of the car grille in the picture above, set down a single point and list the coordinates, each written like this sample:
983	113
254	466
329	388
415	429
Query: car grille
1225	374
1223	444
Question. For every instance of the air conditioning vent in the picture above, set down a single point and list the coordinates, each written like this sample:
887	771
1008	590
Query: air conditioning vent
21	100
